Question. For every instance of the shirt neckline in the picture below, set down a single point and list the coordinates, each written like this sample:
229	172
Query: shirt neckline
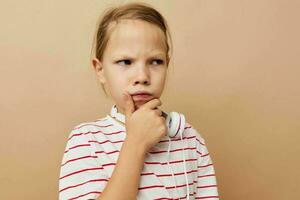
117	117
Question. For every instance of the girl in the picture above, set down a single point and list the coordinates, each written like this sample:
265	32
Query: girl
128	154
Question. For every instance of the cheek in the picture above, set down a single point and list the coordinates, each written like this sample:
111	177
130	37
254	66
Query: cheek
119	86
116	80
160	82
161	78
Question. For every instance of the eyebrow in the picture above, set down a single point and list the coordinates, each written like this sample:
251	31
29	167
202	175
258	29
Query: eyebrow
128	55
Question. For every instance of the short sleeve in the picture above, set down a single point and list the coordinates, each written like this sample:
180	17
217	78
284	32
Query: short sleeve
82	176
206	178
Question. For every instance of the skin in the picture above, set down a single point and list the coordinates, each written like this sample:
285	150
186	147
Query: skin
134	60
142	67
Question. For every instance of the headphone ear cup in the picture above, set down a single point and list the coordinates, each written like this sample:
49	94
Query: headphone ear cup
175	123
170	124
182	124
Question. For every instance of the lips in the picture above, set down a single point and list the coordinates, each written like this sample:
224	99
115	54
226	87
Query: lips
142	96
141	93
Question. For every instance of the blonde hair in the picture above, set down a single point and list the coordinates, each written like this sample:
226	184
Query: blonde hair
134	11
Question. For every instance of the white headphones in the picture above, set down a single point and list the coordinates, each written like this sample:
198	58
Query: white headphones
176	124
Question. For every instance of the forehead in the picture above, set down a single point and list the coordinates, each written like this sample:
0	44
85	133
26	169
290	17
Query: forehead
135	37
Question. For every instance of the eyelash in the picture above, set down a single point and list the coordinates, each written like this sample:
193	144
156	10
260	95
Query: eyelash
160	61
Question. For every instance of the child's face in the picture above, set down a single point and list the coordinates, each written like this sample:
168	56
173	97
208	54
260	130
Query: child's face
134	60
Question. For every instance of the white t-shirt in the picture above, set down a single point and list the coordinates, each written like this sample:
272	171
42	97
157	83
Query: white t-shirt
93	148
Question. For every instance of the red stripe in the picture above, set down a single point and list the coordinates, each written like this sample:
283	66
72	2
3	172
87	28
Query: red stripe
78	134
184	197
153	152
107	153
206	186
176	139
91	124
205	155
94	133
83	170
73	186
206	176
113	133
83	157
93	192
164	163
152	163
81	145
155	163
94	141
142	174
205	165
108	164
191	137
160	186
179	186
200	142
151	186
199	153
207	197
175	174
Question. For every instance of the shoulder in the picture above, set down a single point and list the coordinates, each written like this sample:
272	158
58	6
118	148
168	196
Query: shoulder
191	131
84	129
92	124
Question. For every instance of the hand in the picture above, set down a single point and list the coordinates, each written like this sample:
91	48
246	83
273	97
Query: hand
146	125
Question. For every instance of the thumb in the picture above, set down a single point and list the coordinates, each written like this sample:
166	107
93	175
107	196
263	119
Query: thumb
129	104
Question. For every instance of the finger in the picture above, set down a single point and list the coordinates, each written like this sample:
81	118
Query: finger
153	104
158	112
129	104
164	115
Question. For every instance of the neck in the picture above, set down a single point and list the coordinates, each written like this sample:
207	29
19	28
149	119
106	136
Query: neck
120	110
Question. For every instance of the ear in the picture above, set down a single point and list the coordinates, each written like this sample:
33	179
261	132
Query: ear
99	69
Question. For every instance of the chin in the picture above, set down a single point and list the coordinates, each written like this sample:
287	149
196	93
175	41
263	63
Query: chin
138	104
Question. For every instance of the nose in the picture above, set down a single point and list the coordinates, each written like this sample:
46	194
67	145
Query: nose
142	75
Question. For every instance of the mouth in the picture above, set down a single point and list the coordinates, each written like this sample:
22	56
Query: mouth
142	97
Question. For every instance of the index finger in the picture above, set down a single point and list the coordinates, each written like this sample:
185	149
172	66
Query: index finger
152	104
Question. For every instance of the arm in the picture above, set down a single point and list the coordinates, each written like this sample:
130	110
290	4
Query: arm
124	182
82	177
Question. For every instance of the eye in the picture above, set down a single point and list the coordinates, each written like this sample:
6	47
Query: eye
159	61
126	61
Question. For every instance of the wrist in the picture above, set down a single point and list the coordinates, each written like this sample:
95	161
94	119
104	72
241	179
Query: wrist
135	146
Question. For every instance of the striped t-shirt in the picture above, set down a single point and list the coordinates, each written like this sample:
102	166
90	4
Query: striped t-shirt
93	148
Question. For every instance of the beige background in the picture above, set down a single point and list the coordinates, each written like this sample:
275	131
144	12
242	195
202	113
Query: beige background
235	76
